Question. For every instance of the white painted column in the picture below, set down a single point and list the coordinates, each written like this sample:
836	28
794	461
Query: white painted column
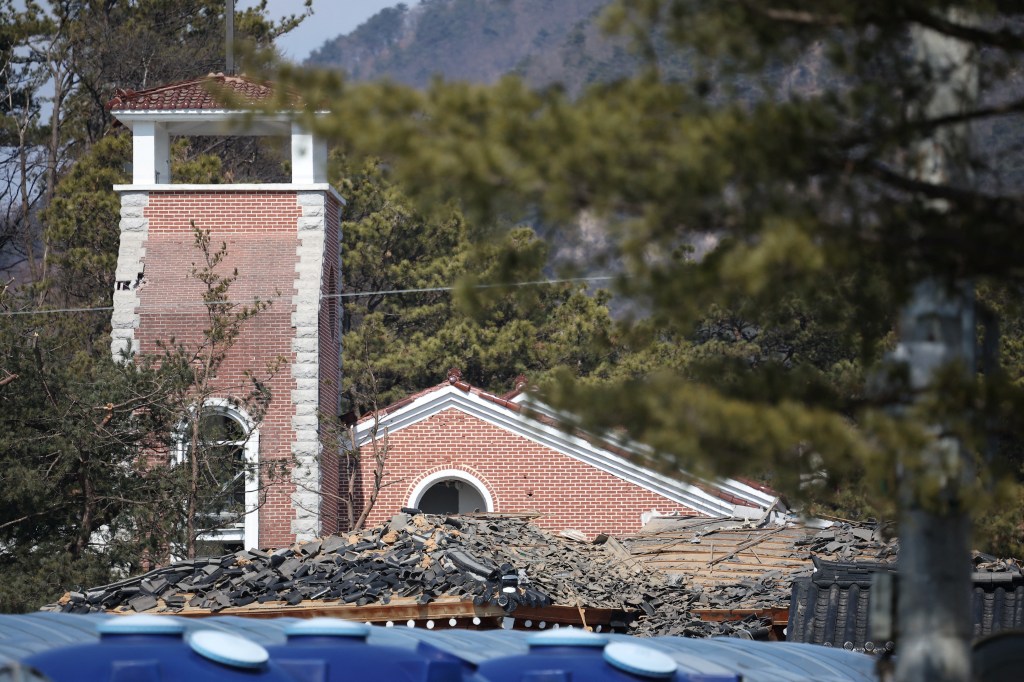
151	154
309	157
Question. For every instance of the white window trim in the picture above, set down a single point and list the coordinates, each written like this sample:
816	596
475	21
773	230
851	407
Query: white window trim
250	535
448	475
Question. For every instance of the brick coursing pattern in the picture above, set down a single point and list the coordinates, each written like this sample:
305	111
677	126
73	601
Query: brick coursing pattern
330	360
520	474
276	245
285	246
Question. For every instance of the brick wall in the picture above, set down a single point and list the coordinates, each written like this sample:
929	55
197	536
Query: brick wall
260	232
330	359
520	475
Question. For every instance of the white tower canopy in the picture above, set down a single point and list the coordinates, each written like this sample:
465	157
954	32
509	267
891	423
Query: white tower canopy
197	107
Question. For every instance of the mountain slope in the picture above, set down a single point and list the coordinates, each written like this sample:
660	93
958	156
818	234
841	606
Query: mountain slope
475	40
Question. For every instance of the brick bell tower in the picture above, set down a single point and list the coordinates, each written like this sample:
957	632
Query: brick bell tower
284	241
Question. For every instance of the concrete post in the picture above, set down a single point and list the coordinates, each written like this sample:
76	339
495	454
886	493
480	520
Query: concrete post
937	329
151	154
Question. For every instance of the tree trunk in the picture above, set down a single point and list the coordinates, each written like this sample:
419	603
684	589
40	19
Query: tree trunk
191	505
88	493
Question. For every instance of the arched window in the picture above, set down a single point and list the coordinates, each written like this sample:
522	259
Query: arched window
451	492
228	444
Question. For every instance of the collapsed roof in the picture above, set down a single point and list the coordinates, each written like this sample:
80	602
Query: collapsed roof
459	566
712	552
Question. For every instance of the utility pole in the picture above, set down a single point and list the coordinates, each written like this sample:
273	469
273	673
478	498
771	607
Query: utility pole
937	330
229	23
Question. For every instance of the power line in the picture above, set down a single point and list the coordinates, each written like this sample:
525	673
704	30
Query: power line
53	311
425	290
355	294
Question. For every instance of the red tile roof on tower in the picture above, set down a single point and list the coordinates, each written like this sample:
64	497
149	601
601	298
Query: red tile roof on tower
206	93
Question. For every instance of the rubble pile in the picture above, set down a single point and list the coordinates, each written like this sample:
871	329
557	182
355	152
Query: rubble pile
983	563
411	556
849	542
770	590
670	613
503	561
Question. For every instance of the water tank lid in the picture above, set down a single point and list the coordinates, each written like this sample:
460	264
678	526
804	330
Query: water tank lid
567	637
639	660
327	627
141	625
228	649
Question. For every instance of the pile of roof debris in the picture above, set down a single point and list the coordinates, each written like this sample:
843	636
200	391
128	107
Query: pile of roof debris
746	565
491	560
770	590
987	563
852	542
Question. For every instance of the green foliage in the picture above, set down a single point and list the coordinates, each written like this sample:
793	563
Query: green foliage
796	148
89	479
18	78
190	167
394	344
20	111
73	55
41	574
138	44
71	430
79	503
82	222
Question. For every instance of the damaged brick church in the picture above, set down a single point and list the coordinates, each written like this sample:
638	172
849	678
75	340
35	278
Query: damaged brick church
451	448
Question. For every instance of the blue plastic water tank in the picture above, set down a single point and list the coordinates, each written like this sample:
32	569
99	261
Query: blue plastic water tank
75	647
151	649
334	650
568	654
12	671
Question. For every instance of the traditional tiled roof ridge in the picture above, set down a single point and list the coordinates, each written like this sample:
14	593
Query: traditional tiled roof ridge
194	94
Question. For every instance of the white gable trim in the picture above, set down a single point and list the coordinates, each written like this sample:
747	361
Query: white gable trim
734	487
565	443
755	497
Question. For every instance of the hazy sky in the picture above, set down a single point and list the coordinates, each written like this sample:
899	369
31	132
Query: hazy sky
330	18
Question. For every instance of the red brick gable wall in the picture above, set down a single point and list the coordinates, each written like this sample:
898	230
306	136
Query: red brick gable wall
520	475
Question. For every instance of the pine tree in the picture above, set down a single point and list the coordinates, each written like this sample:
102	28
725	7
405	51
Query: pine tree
71	432
77	498
840	154
404	326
